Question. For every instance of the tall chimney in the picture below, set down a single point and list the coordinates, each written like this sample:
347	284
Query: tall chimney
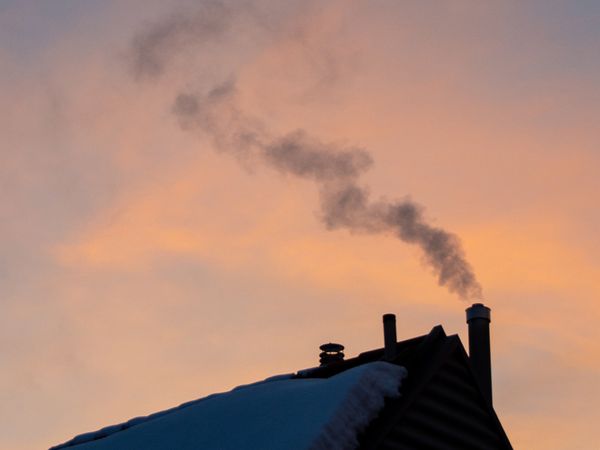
389	336
478	318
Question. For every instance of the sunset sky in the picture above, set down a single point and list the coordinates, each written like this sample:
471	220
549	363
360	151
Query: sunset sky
142	266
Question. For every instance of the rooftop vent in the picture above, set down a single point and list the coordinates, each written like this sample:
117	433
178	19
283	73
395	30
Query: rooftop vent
331	353
389	336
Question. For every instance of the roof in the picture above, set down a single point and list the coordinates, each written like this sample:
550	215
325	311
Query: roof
279	413
426	397
442	406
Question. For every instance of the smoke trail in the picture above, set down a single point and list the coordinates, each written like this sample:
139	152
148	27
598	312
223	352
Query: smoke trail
153	48
345	203
336	170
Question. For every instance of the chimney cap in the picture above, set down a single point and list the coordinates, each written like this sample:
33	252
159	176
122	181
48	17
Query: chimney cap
478	311
330	353
331	347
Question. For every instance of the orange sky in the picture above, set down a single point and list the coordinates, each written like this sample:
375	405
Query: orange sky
141	269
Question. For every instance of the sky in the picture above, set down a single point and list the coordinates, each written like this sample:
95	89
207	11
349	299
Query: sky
146	261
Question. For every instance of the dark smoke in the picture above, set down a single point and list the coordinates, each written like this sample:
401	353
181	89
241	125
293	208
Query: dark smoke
336	169
299	154
153	47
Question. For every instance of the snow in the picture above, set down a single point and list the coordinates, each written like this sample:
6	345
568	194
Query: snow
280	413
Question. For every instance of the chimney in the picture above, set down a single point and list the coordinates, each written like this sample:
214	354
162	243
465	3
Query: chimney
389	336
478	319
331	353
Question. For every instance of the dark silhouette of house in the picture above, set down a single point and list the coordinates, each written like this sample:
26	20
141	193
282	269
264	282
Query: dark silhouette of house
444	402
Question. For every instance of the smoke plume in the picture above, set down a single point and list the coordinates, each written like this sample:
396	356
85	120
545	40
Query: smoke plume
345	202
153	47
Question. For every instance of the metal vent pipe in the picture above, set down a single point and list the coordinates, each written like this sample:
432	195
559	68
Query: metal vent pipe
478	320
389	336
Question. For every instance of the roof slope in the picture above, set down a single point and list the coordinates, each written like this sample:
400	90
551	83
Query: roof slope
279	413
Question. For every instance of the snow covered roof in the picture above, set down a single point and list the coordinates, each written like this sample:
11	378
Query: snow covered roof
280	413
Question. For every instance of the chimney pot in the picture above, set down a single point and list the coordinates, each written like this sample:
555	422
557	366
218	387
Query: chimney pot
478	311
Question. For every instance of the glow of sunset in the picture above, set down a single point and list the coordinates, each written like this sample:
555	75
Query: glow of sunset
142	266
